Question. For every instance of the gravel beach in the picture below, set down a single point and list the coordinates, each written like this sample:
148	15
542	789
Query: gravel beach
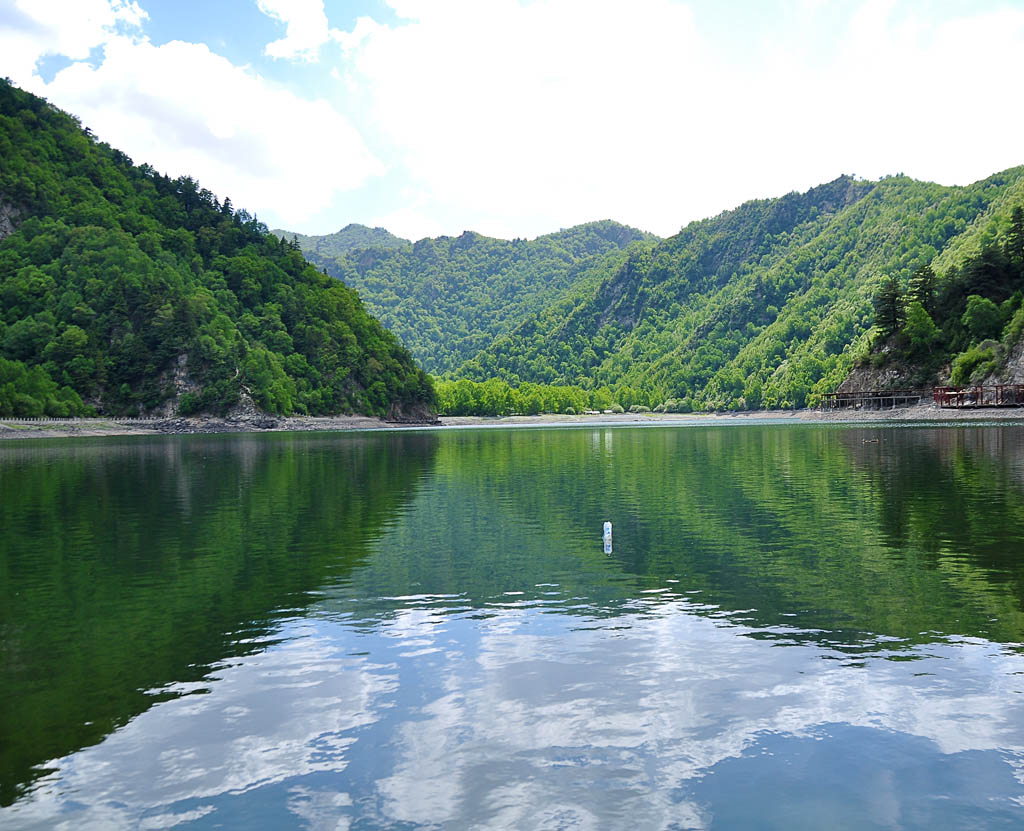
926	413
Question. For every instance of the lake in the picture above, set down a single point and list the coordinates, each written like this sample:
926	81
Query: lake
798	627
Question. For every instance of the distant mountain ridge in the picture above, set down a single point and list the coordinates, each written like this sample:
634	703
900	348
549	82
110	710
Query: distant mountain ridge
349	238
449	297
767	305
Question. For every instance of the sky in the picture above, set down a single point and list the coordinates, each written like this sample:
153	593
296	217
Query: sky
516	118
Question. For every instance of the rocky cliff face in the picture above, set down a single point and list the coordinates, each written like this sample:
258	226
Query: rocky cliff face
864	378
1011	370
411	414
9	219
893	376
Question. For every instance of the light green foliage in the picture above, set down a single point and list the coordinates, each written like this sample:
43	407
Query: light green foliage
972	366
1014	329
353	237
31	392
495	397
920	329
119	279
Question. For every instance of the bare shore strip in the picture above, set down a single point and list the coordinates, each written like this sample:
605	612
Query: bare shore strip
922	413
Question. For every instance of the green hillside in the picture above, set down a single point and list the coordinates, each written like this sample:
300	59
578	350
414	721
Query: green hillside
124	291
767	305
448	298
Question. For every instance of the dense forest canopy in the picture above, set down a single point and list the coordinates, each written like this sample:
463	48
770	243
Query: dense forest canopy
768	305
968	319
124	291
449	297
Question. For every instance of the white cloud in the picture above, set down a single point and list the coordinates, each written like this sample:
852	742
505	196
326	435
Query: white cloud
185	110
413	220
307	28
516	118
530	112
523	117
36	28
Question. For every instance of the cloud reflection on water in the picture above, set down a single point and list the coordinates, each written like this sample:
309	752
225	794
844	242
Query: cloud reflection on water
526	719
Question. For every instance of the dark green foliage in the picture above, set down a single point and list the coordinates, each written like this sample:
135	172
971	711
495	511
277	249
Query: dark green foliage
131	288
982	319
975	303
450	297
1014	249
921	288
889	308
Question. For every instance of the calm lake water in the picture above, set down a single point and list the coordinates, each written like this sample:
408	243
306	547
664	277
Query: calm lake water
799	627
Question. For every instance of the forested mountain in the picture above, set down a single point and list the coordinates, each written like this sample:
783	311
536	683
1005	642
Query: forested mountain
125	291
767	305
448	298
328	247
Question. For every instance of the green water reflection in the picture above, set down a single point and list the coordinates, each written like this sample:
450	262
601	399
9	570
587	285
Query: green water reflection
127	566
849	533
131	567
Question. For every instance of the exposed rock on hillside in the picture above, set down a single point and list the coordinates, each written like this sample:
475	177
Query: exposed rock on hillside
9	216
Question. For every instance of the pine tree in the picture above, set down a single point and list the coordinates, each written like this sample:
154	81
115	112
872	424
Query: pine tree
1015	241
889	308
921	289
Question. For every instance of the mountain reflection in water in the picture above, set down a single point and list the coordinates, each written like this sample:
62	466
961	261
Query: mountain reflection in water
796	629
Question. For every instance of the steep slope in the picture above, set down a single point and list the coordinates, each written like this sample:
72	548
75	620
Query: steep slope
765	305
960	325
134	293
449	297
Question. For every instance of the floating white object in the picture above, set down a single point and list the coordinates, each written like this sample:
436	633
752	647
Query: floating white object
607	538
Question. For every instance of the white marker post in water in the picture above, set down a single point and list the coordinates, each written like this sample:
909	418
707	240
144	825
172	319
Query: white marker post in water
607	538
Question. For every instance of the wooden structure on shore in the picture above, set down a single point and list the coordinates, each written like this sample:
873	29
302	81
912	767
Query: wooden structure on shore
1001	395
874	399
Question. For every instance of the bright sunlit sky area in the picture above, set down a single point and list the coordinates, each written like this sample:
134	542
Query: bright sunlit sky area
519	117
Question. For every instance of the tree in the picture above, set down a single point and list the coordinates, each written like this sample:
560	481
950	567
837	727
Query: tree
983	319
921	289
1015	241
920	329
601	399
889	308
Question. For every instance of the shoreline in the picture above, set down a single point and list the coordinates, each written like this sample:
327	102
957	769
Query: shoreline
14	429
919	413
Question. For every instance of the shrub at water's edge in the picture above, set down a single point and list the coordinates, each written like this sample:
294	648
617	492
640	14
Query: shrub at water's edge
125	291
